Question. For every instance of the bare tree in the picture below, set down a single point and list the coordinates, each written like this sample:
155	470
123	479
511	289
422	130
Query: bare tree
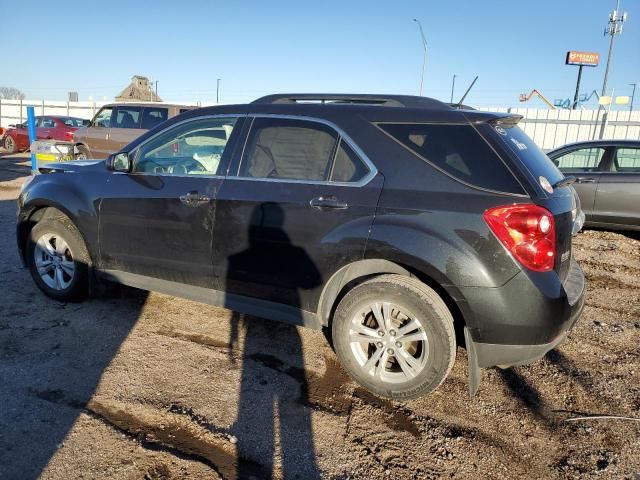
10	93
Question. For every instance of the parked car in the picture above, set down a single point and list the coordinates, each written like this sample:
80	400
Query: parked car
16	138
117	124
397	222
607	180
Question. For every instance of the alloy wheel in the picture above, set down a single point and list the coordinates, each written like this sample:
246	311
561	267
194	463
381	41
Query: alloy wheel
388	342
54	261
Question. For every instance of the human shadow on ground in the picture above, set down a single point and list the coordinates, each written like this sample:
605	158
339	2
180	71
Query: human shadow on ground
272	414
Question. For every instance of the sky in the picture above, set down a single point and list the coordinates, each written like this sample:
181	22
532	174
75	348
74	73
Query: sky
259	47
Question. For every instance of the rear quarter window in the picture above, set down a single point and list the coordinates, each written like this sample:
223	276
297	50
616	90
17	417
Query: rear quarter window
458	150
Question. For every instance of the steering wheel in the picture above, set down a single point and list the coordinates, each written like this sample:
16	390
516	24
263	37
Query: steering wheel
186	165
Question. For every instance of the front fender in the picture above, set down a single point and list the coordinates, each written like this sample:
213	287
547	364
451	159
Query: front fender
48	190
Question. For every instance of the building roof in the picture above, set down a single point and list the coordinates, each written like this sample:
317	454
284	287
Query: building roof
139	89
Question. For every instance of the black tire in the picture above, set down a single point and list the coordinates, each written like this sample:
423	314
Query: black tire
435	354
10	144
72	287
83	153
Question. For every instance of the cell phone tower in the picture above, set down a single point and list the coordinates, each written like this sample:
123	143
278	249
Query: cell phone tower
613	28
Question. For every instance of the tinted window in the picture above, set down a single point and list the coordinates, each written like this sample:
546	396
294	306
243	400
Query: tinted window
347	166
103	119
152	116
194	148
73	121
48	123
527	152
582	160
627	160
126	117
289	149
458	150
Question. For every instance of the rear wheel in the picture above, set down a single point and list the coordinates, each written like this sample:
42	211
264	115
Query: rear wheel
58	259
395	336
10	144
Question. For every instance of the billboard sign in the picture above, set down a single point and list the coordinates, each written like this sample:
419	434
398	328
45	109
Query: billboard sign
588	59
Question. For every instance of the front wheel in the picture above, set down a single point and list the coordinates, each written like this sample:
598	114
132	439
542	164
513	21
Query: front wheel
394	335
58	259
83	153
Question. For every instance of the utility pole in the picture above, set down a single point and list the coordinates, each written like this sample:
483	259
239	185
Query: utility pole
218	91
156	88
614	27
633	94
453	85
424	59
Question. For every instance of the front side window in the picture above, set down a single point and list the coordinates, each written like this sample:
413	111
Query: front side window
152	116
193	148
459	150
582	160
126	117
103	118
289	149
627	160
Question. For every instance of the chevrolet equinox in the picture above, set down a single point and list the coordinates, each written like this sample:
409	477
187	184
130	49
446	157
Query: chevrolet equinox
402	225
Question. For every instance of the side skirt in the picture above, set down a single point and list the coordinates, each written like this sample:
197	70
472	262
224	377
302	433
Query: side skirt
239	303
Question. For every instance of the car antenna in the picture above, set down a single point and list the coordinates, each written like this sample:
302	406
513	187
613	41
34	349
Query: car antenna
459	104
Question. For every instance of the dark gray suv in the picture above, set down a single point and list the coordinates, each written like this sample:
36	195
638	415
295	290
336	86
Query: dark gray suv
401	224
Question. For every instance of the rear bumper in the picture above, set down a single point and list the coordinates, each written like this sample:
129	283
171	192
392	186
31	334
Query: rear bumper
551	321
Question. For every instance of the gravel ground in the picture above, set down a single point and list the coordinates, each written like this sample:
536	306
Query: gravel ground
140	385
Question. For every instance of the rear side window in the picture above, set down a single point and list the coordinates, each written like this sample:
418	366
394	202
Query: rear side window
459	151
289	149
152	116
126	117
627	160
582	160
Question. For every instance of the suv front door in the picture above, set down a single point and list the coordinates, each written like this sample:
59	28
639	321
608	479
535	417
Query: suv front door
295	208
618	197
586	164
96	135
126	126
158	219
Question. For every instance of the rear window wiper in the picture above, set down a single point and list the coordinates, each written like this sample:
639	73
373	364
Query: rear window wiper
565	182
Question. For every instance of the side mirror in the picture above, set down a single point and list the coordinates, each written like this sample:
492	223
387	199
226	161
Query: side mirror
119	162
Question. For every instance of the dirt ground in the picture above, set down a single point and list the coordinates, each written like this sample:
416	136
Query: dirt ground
135	385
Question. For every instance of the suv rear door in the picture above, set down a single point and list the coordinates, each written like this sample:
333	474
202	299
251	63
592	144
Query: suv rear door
294	208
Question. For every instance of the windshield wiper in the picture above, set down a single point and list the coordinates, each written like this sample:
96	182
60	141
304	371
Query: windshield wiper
565	182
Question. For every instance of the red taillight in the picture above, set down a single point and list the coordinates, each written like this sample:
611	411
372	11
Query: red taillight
528	232
69	135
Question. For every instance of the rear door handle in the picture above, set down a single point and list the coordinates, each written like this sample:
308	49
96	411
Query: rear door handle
328	203
193	199
585	180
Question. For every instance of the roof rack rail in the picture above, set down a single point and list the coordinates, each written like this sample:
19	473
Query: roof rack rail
407	101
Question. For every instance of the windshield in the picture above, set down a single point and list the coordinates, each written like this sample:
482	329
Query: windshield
528	152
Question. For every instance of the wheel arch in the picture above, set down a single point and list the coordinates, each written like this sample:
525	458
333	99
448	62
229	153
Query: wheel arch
357	272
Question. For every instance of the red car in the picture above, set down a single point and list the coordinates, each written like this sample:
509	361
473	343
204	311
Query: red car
16	138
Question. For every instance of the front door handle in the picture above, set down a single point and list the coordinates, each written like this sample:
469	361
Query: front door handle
194	198
585	180
328	203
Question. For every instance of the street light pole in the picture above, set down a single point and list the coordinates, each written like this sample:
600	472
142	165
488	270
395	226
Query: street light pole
424	59
218	91
633	94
